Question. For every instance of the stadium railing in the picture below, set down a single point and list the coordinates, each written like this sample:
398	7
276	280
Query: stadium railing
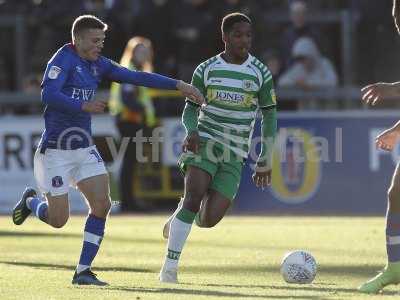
327	98
345	20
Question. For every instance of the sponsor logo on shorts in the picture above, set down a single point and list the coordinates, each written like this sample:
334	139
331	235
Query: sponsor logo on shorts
57	181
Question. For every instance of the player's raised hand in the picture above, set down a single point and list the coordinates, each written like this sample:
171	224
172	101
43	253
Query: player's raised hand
191	142
96	106
191	92
388	139
373	93
262	176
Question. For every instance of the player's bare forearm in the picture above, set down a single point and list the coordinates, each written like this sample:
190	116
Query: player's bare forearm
396	87
191	92
374	93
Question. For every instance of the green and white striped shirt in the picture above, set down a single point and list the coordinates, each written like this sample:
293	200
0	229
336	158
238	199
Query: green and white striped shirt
234	94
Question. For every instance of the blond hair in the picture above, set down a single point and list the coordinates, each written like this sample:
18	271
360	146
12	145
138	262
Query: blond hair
130	47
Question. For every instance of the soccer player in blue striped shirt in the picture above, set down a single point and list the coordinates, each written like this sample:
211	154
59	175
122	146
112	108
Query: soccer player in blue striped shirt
66	155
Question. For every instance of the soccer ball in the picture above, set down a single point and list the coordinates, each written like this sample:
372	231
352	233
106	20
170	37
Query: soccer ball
298	267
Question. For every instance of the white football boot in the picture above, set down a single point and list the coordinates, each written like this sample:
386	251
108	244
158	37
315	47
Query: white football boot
168	275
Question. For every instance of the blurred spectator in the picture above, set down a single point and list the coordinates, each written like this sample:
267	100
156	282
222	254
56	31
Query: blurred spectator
15	6
133	110
7	59
160	33
273	61
3	74
52	30
272	5
230	6
310	70
99	8
123	17
31	83
194	27
373	57
298	28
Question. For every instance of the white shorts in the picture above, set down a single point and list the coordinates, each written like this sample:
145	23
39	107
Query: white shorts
56	170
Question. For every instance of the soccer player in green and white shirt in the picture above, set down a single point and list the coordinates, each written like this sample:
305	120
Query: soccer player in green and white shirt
237	85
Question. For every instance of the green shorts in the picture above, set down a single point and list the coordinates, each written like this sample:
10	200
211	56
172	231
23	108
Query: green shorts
224	166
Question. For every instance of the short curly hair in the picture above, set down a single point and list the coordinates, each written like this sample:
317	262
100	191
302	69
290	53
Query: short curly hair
229	20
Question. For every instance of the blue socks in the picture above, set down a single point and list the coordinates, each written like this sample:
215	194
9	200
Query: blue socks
92	237
38	208
393	236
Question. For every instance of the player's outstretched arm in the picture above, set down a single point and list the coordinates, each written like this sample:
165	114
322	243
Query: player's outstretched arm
191	92
153	80
373	93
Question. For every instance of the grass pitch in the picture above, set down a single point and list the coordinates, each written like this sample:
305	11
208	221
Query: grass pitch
239	259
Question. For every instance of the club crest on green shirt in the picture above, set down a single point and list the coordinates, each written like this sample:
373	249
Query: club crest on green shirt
248	85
